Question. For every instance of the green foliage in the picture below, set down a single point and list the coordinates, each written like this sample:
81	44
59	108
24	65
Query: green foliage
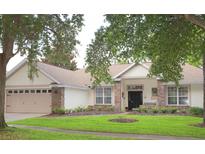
169	41
164	110
39	35
196	111
143	110
79	109
59	111
172	110
155	110
64	60
98	58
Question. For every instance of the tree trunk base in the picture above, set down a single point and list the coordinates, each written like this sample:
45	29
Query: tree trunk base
3	124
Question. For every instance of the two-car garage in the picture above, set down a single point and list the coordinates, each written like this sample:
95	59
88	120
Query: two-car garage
28	100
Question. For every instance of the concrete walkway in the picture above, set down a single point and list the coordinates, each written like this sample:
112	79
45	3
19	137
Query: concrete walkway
116	135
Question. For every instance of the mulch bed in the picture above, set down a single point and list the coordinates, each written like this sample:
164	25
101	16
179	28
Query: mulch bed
91	113
148	113
201	125
123	120
83	113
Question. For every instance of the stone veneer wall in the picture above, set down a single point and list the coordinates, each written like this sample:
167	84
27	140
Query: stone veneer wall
57	97
161	93
117	93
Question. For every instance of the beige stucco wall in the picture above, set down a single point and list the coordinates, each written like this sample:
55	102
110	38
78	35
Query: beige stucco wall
197	95
136	72
147	84
20	78
74	98
91	97
92	94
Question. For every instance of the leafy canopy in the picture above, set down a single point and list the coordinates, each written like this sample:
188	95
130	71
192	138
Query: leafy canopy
169	41
39	35
63	60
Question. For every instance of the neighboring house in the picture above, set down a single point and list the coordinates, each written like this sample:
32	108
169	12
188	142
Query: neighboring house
56	87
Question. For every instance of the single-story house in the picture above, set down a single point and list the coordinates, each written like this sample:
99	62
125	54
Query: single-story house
55	87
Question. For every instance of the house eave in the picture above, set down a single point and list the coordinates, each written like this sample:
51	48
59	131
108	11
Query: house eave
70	86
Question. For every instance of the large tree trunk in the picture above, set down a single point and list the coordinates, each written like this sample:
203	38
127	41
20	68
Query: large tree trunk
204	86
2	90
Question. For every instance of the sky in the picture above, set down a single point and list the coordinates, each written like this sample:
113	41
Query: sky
92	22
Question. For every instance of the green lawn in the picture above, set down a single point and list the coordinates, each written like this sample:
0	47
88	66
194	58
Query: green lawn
162	125
29	134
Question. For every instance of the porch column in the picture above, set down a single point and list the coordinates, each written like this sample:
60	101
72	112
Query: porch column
57	97
117	93
161	93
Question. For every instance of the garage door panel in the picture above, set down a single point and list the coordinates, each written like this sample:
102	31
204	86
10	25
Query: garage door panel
28	102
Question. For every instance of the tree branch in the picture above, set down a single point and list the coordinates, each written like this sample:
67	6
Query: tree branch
195	20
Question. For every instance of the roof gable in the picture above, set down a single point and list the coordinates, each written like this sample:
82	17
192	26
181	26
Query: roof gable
19	77
137	71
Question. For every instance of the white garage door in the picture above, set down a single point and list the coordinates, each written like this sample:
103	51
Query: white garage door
28	101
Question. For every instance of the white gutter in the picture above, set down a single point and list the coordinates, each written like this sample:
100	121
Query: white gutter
70	86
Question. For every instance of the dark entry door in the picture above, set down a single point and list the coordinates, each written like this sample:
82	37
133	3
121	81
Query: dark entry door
134	99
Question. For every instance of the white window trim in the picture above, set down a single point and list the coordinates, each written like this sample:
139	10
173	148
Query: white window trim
188	101
103	96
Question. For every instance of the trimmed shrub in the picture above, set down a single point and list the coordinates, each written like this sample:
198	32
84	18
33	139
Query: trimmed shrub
155	110
59	111
172	110
79	109
184	111
164	110
89	108
196	111
144	110
69	110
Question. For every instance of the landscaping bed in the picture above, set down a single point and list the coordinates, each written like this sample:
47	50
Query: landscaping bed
80	111
168	110
123	120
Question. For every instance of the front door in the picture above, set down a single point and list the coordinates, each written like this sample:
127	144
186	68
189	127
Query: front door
134	99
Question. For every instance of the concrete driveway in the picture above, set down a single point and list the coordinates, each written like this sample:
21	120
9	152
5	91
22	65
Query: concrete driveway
20	116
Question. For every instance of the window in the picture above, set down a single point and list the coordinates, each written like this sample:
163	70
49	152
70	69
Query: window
107	95
20	91
99	95
32	91
10	91
38	91
172	95
49	91
15	91
26	91
103	95
154	92
183	95
44	91
178	96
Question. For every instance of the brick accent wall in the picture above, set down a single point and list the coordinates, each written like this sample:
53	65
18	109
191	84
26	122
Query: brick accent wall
57	97
117	93
161	93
